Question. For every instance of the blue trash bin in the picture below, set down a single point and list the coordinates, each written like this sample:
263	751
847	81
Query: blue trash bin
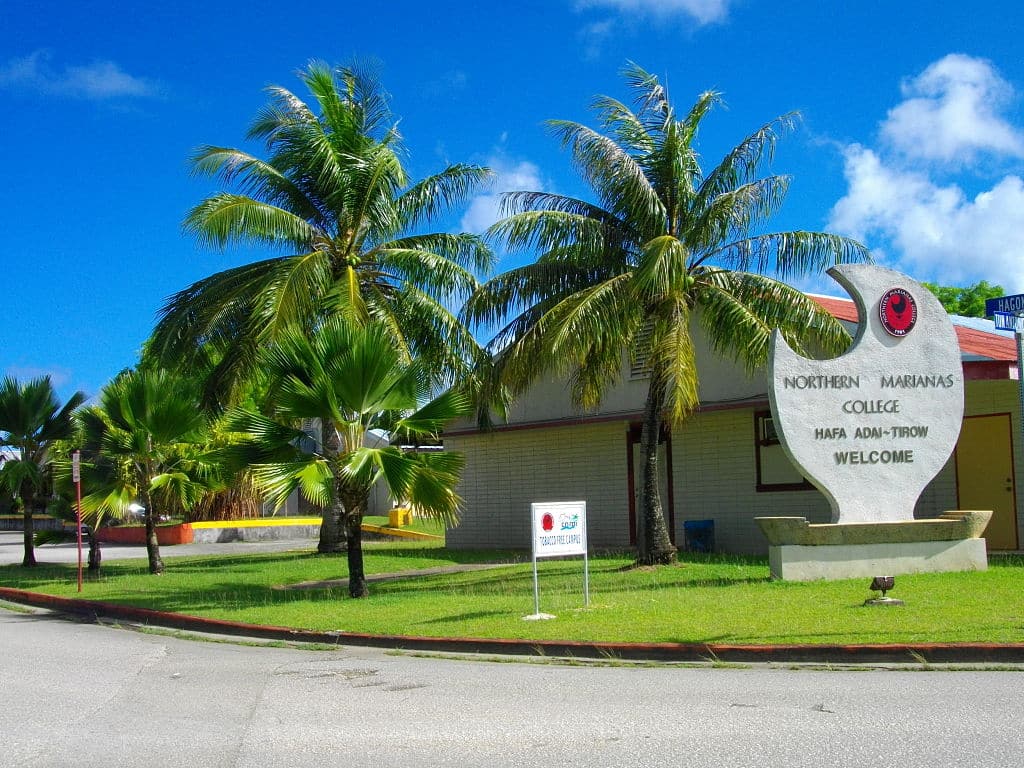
699	535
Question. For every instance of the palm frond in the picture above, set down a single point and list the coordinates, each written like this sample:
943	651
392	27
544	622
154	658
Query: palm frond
740	311
434	195
790	254
465	250
552	230
615	175
255	178
731	214
227	218
312	476
674	361
741	164
430	419
291	292
431	494
427	271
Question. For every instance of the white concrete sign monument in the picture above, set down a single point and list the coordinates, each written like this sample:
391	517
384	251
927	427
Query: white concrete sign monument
872	427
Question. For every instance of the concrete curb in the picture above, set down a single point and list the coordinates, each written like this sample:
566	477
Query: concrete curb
933	653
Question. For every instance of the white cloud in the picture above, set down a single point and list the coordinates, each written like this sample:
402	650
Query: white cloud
99	80
593	37
935	232
59	377
952	111
484	210
907	197
702	11
447	84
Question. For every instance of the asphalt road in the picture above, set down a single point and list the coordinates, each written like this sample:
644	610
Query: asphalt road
84	695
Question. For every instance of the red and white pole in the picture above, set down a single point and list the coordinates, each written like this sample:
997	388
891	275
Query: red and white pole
76	475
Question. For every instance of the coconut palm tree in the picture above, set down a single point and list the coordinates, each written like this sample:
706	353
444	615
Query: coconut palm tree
31	420
146	441
665	245
333	195
353	379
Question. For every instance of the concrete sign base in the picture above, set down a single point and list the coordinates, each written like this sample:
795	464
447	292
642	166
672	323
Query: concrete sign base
794	562
800	551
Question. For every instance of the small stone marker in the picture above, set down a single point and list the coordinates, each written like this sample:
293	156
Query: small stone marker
872	427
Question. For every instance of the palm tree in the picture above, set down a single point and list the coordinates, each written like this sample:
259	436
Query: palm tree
31	419
665	245
146	440
334	196
354	380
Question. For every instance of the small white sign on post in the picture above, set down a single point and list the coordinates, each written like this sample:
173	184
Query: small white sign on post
559	529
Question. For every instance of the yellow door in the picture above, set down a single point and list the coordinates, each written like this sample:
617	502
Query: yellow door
984	476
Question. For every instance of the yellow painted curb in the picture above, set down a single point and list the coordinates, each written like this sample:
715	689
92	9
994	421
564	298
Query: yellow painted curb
263	522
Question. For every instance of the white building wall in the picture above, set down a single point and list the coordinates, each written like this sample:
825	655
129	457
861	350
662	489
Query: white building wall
714	471
508	470
549	398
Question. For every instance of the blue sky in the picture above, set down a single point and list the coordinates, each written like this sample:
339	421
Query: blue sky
912	136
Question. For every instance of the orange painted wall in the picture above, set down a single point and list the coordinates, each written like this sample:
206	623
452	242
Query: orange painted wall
136	534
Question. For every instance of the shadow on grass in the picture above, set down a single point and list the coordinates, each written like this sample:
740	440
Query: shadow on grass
447	619
507	581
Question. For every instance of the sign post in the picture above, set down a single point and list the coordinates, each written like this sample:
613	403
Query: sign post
559	529
1008	313
76	476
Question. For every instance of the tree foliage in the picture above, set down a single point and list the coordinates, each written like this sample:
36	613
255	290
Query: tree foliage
333	196
665	245
355	383
31	421
968	301
146	440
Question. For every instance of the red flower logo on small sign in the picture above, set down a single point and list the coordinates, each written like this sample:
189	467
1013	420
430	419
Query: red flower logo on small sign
547	522
898	312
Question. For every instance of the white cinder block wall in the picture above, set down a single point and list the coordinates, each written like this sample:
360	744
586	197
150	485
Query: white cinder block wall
715	476
508	470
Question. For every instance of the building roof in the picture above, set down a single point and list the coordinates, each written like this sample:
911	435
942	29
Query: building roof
976	343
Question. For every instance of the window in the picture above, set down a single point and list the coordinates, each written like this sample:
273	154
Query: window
775	472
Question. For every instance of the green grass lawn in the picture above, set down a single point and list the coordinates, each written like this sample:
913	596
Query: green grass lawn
704	599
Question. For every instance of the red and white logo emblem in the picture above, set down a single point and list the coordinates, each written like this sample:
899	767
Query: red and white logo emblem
898	312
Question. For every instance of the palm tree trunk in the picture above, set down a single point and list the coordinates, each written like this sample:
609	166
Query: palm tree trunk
653	544
95	556
156	565
331	540
354	539
331	534
29	560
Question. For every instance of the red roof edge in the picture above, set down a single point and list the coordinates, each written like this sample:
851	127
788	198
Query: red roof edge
972	342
